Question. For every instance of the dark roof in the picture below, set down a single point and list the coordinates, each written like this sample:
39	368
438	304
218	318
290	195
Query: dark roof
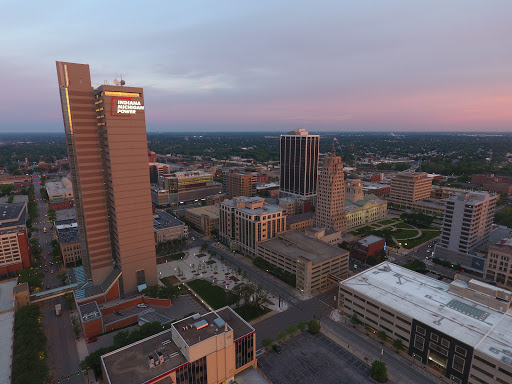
162	220
88	289
68	235
299	218
13	214
353	175
89	311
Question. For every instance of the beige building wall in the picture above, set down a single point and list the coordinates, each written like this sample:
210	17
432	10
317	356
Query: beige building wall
367	213
379	317
86	166
129	193
410	186
71	252
499	263
331	195
206	218
114	210
240	184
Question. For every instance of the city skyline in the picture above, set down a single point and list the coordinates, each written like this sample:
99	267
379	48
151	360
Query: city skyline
249	67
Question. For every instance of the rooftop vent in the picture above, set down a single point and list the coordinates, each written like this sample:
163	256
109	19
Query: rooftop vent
196	316
201	324
218	322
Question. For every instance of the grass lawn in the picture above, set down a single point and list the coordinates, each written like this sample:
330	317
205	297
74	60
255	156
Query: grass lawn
213	295
426	236
403	234
171	280
404	226
362	230
250	312
386	222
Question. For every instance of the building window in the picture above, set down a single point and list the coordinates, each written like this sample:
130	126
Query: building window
419	342
460	351
484	361
434	337
421	330
445	343
244	351
141	277
417	357
458	363
456	380
482	371
193	373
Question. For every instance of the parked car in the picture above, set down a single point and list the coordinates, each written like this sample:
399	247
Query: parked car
142	305
276	348
91	340
51	271
46	270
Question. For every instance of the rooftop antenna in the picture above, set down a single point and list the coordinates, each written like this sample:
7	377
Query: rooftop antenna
119	82
333	148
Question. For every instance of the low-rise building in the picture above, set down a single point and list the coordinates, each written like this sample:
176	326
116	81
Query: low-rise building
205	218
245	221
377	189
189	186
409	187
157	170
459	330
369	246
361	209
60	193
69	241
168	228
499	263
329	236
210	348
14	246
302	221
312	261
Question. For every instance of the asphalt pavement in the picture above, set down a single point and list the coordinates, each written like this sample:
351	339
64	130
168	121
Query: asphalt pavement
62	354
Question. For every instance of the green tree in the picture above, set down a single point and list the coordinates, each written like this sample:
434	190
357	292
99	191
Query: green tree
302	325
52	215
355	320
291	329
379	371
281	336
29	360
314	326
204	246
267	342
398	345
32	276
69	300
382	335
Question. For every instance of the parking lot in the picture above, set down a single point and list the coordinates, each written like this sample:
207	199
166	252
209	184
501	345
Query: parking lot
313	359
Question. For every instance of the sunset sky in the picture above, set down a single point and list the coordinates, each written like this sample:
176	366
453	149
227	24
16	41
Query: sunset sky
268	65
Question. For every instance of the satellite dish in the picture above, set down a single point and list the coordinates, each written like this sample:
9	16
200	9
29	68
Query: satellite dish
123	82
116	82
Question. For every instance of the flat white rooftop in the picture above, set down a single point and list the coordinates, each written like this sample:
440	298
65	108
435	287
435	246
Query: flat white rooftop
429	301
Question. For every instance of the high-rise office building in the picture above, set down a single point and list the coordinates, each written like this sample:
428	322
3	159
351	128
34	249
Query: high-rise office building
331	195
106	130
466	228
299	164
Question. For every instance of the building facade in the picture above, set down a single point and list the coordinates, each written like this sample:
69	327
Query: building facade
409	187
105	130
69	241
205	218
466	228
245	221
210	348
309	259
457	331
157	170
330	201
60	193
189	186
361	209
240	184
499	263
14	246
299	164
168	228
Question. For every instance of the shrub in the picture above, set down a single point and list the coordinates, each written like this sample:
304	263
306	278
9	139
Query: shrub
314	326
379	371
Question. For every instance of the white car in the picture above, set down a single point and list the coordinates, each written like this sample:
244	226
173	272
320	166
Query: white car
142	305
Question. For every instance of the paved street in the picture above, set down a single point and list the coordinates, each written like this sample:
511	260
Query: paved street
61	347
50	279
313	359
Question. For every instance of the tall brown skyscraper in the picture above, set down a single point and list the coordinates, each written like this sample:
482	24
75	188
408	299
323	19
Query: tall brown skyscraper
330	198
107	147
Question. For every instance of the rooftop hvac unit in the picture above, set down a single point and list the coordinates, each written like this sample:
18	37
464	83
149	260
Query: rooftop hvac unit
196	316
160	357
151	362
